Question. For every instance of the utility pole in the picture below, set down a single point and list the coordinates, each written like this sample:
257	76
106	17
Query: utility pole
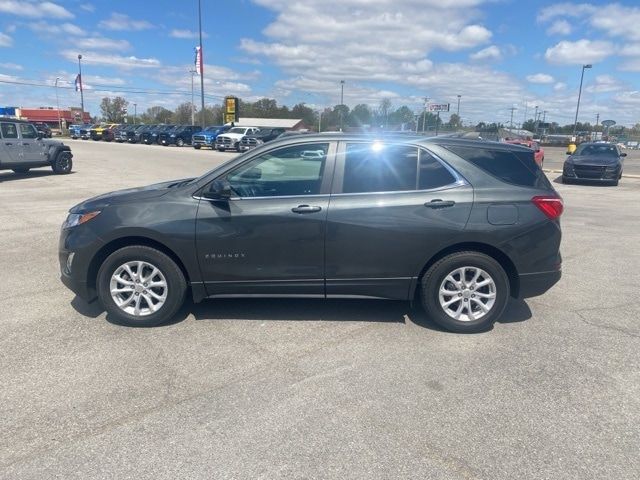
201	64
424	115
319	121
81	89
512	110
341	103
458	110
135	112
597	124
58	106
575	122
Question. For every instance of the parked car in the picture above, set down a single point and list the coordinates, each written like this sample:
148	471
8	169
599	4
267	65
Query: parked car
207	137
230	140
264	135
594	162
294	133
85	131
154	136
43	129
108	133
533	145
147	135
122	134
132	134
140	132
96	131
462	225
180	136
23	148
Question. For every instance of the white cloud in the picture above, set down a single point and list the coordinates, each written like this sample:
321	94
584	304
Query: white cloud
541	78
57	29
120	21
5	40
112	60
31	9
579	52
604	84
88	7
102	43
559	27
186	34
565	10
491	53
558	87
11	66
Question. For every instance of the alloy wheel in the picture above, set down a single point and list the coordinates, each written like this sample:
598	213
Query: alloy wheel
467	294
138	288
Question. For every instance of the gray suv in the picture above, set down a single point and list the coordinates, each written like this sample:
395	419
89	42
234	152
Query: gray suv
461	225
22	148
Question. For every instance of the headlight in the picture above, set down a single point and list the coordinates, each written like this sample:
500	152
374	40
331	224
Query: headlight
75	219
173	136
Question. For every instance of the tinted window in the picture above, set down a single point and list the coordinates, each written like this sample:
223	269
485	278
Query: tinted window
9	130
286	171
374	167
518	168
598	149
433	174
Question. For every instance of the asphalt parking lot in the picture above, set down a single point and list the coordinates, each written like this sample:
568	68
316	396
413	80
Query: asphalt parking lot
314	389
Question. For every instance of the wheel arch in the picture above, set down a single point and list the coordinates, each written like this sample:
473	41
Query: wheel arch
128	241
499	256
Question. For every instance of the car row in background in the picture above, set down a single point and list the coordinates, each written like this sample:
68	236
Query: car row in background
594	162
218	137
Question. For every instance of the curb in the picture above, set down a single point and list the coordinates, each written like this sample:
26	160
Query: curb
560	171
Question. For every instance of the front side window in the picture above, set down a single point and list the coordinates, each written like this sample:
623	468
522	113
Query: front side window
28	131
9	130
289	171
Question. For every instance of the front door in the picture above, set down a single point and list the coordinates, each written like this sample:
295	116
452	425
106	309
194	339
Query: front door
392	208
33	149
268	238
11	151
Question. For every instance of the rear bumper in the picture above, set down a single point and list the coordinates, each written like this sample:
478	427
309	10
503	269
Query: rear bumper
535	284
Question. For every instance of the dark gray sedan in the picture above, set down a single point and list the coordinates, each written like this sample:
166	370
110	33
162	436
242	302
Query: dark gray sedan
594	162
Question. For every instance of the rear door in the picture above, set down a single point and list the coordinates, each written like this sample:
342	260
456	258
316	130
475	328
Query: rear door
392	207
11	151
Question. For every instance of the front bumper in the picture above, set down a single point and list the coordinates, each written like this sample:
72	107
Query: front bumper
591	173
82	244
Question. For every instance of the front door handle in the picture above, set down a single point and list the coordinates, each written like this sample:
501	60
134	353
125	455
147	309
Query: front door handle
306	209
8	143
437	203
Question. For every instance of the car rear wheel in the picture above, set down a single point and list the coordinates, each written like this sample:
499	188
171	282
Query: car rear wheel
180	142
220	149
141	286
465	292
21	171
197	147
63	163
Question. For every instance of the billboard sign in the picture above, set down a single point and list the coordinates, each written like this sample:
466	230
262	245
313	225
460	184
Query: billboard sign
231	110
438	107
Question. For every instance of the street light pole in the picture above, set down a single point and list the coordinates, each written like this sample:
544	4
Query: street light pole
201	64
193	107
58	106
81	88
319	121
135	112
458	110
424	114
575	122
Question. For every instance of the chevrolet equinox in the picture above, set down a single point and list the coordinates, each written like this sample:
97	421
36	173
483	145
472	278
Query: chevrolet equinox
460	224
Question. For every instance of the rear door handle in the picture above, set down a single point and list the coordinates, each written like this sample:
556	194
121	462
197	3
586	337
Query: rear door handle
8	143
437	203
306	209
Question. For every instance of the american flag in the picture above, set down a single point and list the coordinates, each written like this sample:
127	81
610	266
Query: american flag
198	60
78	83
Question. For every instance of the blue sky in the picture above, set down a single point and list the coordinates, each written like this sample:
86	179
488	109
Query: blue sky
497	54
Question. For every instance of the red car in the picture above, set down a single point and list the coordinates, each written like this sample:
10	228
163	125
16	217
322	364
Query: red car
535	146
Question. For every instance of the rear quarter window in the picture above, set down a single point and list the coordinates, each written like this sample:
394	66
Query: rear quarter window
514	167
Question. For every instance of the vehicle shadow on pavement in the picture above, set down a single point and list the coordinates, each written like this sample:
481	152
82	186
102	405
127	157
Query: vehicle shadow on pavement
11	176
309	310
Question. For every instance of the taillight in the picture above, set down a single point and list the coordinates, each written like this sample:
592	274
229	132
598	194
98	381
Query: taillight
551	206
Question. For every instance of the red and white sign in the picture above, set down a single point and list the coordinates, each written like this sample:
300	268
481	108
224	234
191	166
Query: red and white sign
199	63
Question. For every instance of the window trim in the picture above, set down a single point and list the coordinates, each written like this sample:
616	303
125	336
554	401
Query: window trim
340	163
17	137
20	131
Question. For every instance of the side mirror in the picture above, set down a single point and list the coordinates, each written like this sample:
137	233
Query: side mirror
39	136
218	190
623	154
568	153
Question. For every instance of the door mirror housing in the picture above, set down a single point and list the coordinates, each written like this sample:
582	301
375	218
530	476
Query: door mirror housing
218	190
623	154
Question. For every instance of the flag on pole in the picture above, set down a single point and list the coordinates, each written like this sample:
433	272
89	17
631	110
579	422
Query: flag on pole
78	83
198	60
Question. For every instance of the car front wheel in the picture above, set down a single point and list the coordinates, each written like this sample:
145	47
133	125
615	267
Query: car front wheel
465	292
63	163
141	286
180	142
197	147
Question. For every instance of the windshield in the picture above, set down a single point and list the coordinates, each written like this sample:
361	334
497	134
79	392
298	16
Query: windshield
600	150
212	129
237	130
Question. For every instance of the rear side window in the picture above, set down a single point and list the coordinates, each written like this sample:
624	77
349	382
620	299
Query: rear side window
517	168
9	130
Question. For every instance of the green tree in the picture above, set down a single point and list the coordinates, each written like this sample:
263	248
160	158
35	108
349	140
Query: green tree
454	121
113	110
359	116
308	115
157	115
403	116
182	114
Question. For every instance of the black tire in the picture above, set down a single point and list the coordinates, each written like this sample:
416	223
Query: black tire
176	285
197	147
180	142
21	171
63	163
566	181
221	149
435	276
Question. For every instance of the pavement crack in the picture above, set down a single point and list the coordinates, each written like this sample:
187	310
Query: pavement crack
604	327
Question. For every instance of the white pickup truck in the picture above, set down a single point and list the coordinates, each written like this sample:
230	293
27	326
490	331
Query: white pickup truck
230	140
